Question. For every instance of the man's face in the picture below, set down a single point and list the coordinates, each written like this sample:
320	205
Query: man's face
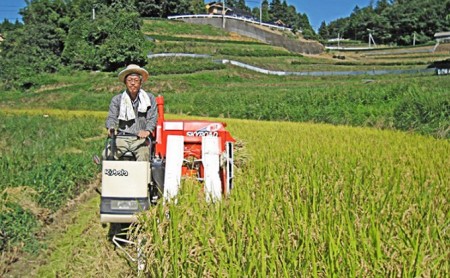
133	83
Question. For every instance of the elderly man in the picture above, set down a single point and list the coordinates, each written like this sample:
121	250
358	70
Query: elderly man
133	114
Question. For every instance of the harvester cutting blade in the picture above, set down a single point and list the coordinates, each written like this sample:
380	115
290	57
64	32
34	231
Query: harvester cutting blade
174	161
211	164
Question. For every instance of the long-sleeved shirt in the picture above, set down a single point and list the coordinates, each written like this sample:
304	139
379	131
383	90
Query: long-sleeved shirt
143	121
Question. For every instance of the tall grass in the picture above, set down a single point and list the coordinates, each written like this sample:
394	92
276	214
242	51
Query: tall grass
312	201
44	161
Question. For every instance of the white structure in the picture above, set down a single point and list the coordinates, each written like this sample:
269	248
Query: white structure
442	37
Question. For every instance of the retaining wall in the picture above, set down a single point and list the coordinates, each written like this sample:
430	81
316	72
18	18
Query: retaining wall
253	31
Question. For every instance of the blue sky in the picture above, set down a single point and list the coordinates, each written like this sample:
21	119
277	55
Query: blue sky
321	10
317	10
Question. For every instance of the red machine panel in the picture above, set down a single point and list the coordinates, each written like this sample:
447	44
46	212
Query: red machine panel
191	130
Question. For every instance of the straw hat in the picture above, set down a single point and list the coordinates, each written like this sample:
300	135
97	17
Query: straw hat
132	68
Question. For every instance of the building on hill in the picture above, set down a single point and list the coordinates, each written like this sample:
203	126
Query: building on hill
215	8
442	37
280	22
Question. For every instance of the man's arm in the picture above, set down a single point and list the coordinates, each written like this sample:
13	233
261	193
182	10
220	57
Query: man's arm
152	115
113	114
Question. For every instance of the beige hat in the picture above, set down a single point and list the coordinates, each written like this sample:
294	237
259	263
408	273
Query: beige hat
132	68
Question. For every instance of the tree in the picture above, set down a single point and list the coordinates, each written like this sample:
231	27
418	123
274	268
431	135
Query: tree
323	31
265	11
397	21
198	7
305	27
60	33
291	17
37	45
275	10
150	8
106	43
7	26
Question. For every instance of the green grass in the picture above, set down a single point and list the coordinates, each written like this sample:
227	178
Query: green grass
45	161
173	28
377	101
181	65
219	49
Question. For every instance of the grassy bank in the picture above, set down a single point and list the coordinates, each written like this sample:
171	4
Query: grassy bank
418	103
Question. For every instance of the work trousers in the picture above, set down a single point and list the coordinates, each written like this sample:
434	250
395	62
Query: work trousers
132	144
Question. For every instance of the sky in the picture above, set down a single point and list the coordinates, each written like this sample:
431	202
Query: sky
321	10
317	10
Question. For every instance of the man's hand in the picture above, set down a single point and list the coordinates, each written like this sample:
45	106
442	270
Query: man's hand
111	132
144	134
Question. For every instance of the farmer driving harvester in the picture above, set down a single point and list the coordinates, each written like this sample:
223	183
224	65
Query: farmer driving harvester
132	114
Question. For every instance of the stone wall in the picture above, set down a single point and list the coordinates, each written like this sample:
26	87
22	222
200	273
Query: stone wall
254	31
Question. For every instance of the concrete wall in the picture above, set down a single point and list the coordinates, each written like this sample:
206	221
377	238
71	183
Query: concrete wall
253	31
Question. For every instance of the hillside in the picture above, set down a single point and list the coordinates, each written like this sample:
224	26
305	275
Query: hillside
292	42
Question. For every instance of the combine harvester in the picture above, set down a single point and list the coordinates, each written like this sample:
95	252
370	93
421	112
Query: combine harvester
179	148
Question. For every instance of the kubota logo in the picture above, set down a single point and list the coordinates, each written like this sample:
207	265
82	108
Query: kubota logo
210	130
114	172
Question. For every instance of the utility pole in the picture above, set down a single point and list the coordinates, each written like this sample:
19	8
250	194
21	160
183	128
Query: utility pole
260	12
371	40
339	40
414	39
223	14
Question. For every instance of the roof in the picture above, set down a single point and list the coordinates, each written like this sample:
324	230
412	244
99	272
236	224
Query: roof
442	34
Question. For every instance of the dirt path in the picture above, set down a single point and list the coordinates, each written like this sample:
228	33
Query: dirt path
77	246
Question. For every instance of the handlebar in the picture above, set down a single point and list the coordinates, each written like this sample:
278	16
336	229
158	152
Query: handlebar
112	136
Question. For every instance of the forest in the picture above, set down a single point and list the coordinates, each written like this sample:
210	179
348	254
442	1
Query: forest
392	22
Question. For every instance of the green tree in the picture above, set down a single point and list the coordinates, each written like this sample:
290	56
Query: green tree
7	26
265	11
37	46
150	8
396	21
323	31
276	10
306	28
106	43
337	27
198	7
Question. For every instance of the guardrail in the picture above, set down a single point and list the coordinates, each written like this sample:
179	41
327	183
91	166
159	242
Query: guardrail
231	17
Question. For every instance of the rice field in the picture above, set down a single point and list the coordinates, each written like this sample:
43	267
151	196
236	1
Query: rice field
312	201
309	200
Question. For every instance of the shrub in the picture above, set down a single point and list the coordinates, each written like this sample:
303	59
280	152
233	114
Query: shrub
106	43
